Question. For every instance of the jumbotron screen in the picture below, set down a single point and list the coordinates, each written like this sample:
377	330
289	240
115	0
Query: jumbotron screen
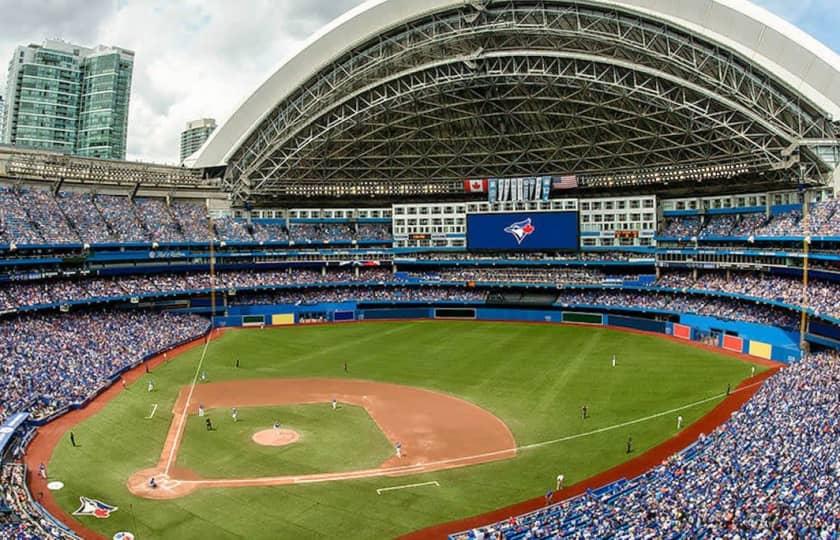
523	231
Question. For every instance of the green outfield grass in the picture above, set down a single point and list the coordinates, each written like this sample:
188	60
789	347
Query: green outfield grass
534	377
229	452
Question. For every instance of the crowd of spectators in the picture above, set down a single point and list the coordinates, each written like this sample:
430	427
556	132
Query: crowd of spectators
824	220
681	227
723	308
50	361
366	294
321	232
822	295
24	521
57	291
191	218
14	223
122	221
613	256
771	471
549	276
270	232
373	231
37	216
159	220
81	215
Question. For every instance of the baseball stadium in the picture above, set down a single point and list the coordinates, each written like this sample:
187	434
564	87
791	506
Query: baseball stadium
457	269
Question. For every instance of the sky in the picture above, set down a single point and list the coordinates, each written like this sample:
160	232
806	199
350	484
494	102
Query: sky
202	58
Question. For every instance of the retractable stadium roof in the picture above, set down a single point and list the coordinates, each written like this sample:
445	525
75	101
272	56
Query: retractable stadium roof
442	90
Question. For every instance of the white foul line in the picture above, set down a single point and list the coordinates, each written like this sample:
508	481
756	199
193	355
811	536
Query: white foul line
432	483
153	412
186	406
421	467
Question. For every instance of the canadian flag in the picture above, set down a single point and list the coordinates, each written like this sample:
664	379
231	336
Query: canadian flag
475	186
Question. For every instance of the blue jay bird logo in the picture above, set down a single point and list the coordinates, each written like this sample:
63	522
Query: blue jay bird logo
94	507
520	230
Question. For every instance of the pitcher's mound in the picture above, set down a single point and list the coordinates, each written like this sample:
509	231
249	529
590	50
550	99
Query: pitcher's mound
276	437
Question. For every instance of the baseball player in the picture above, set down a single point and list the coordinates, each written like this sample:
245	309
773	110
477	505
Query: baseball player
679	422
201	410
584	412
613	361
203	376
398	449
42	471
334	404
752	371
208	424
560	480
234	413
277	428
151	386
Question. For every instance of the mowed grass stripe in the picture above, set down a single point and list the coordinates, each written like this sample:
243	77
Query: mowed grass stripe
534	377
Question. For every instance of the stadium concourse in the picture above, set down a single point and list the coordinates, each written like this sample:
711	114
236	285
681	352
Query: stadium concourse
656	167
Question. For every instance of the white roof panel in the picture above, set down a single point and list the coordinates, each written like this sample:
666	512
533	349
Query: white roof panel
803	63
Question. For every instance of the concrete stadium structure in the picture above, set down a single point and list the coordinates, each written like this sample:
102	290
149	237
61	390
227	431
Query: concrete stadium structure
615	91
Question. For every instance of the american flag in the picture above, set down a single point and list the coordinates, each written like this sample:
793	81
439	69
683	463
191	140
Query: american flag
564	182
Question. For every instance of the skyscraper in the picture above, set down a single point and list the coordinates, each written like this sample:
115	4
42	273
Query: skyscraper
2	115
69	98
194	136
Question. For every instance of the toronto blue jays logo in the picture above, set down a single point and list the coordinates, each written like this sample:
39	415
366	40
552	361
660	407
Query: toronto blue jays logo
95	508
520	230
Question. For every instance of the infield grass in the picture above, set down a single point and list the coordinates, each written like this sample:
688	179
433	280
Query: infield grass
534	377
330	441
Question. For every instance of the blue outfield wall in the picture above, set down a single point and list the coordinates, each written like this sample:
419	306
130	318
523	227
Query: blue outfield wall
784	344
526	315
636	323
395	313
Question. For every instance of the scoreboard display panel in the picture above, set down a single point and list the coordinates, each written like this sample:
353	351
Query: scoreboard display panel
523	231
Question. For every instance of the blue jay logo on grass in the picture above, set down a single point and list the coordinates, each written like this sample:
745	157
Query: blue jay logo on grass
520	230
95	508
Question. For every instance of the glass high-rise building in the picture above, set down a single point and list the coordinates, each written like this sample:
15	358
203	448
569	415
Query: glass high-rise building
2	114
194	136
69	98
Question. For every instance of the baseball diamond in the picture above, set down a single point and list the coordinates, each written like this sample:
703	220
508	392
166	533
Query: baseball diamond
442	269
417	383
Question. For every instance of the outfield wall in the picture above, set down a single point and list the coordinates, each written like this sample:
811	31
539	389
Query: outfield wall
757	340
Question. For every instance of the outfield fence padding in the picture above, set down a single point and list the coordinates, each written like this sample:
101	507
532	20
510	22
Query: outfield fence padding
636	323
682	331
396	313
733	343
582	318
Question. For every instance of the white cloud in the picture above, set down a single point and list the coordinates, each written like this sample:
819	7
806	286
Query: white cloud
193	58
